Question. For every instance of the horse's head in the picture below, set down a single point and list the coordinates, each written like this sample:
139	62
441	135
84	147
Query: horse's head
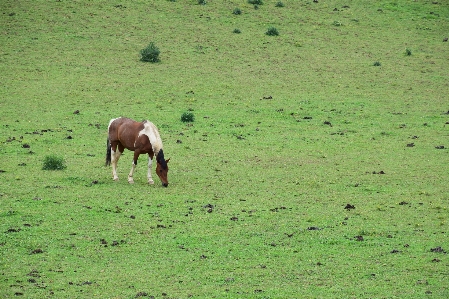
162	169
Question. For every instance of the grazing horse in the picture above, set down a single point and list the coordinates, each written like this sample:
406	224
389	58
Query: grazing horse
140	137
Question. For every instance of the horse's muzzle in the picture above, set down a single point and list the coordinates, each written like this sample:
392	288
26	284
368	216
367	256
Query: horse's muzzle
165	184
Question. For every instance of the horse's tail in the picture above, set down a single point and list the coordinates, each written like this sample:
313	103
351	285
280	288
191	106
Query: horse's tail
108	153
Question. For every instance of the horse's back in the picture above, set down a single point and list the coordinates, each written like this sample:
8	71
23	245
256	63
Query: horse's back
125	131
122	125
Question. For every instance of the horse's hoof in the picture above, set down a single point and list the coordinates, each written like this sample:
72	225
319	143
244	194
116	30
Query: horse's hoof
115	179
150	182
131	182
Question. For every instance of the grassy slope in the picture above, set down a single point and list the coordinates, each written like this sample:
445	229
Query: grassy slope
257	161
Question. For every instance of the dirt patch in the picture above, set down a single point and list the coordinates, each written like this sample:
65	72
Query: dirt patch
349	207
438	250
37	251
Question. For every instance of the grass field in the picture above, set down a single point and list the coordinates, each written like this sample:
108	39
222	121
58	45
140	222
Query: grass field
316	166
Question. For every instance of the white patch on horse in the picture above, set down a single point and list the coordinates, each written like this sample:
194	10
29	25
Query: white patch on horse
152	133
111	121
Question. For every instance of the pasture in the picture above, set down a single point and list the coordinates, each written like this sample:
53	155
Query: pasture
316	166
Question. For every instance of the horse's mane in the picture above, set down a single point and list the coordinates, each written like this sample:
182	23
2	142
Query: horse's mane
153	134
161	159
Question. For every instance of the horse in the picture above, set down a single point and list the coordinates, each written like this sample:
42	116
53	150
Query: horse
140	137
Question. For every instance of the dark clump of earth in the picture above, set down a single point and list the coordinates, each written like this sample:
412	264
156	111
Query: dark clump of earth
143	294
37	251
437	249
313	228
349	207
209	207
359	238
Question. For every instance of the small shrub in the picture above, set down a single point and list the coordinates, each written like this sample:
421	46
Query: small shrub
272	31
337	23
187	117
279	4
408	52
202	2
377	63
255	2
54	163
150	53
237	11
237	31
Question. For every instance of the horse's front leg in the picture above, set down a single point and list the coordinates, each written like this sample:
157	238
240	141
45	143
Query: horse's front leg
150	164
133	168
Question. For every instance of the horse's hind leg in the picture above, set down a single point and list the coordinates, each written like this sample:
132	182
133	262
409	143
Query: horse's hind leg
115	156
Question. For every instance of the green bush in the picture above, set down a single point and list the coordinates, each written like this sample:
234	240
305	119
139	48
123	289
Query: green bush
408	52
377	63
272	31
202	2
237	31
150	53
279	4
53	162
255	2
237	11
187	117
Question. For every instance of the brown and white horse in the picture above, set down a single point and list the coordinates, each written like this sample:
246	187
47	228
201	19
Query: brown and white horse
140	137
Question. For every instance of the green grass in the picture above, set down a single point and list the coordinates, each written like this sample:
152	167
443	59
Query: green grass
287	132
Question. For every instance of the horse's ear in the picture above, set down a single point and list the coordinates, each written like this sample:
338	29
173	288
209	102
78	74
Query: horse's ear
168	160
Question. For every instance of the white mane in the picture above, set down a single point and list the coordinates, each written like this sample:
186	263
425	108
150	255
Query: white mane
153	134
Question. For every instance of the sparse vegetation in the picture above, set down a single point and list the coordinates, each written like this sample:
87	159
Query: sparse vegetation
337	23
150	53
272	31
53	162
187	117
279	4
